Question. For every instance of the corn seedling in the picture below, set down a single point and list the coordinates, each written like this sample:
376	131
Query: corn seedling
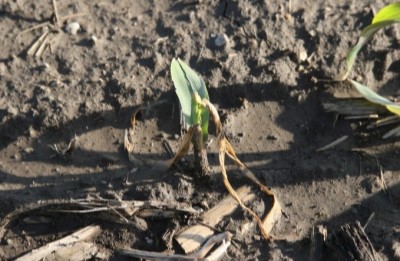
188	84
191	89
197	109
387	16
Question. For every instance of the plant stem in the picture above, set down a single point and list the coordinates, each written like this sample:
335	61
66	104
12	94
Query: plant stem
200	153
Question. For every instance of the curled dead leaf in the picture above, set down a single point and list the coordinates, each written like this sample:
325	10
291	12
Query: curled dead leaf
225	148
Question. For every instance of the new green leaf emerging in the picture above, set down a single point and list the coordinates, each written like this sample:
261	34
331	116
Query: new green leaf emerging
188	84
388	15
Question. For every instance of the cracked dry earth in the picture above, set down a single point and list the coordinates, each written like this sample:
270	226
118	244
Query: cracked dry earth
260	61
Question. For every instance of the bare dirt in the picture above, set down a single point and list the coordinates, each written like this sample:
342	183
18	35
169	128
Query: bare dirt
266	93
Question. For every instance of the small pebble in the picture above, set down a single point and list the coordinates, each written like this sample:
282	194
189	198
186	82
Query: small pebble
253	43
9	241
221	40
93	40
72	28
302	55
359	78
300	68
245	103
3	69
28	150
192	16
204	204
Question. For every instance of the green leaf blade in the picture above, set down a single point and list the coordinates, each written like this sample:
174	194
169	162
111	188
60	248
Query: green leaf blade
373	97
195	81
188	83
182	90
387	13
369	94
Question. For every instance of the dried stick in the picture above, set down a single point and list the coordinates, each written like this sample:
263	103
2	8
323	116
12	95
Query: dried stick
42	46
333	144
351	242
34	27
224	237
193	237
218	253
153	255
129	208
383	182
36	45
369	220
49	23
78	236
384	121
56	13
64	18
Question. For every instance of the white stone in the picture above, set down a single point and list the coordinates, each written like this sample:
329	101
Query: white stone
93	40
302	55
221	40
72	28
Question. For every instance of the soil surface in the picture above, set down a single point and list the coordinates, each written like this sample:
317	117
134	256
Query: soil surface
263	77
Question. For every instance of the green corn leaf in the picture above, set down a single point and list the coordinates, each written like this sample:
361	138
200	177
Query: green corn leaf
187	82
182	89
389	12
373	97
388	15
195	81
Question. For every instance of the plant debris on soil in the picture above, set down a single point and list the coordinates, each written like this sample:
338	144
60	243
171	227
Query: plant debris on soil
72	73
